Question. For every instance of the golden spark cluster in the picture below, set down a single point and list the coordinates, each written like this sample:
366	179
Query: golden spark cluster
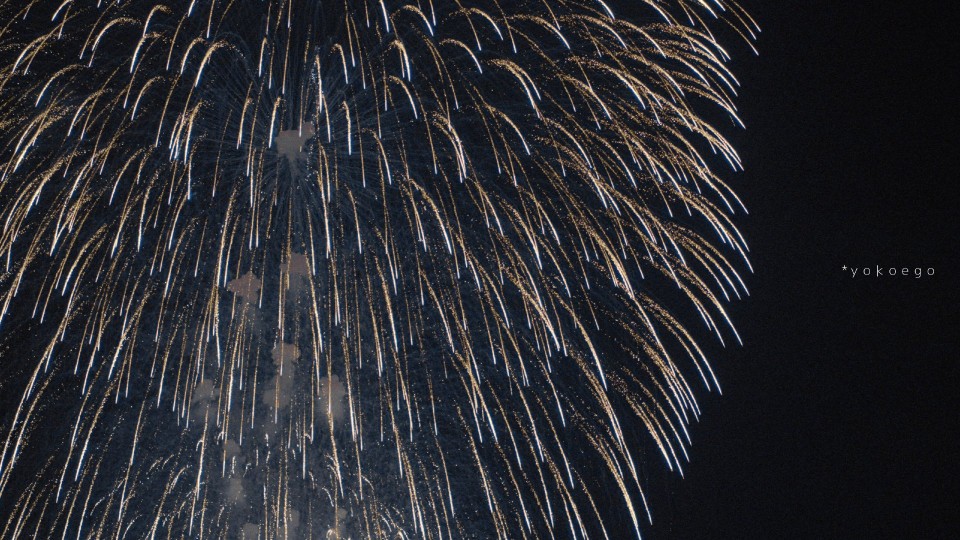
360	268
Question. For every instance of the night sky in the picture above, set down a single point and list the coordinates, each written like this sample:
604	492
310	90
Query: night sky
839	416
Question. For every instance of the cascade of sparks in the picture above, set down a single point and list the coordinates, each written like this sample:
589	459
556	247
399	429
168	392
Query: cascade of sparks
357	268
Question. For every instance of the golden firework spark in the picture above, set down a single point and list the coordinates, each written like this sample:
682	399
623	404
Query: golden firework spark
357	269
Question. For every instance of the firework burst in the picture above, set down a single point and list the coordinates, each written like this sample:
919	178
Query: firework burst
356	269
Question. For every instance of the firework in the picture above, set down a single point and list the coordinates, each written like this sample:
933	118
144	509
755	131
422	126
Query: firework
357	269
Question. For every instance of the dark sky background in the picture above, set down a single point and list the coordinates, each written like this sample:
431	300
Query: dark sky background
839	414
